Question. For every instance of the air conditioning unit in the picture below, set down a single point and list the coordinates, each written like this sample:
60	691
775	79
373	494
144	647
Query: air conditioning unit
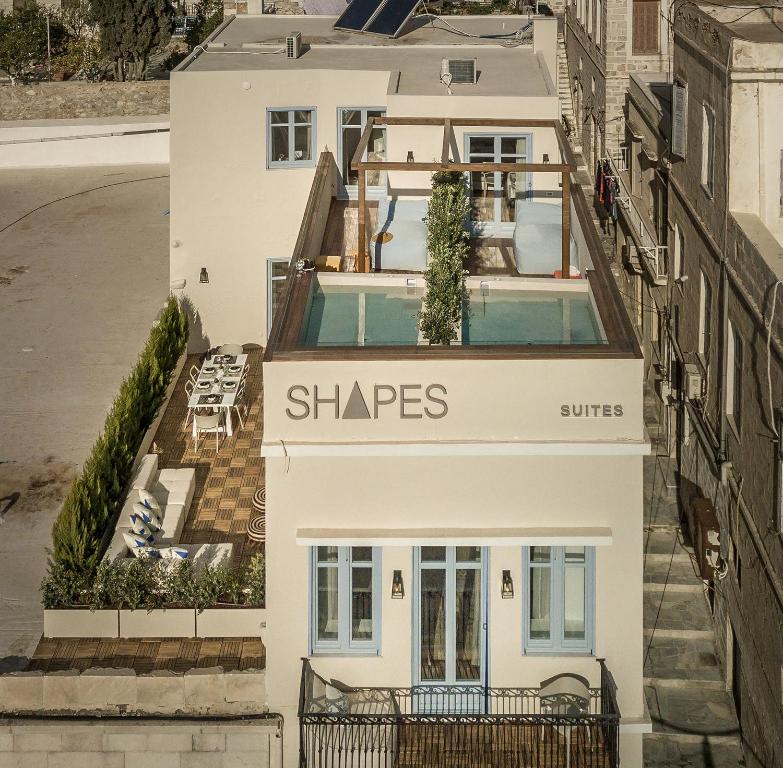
694	381
293	45
461	70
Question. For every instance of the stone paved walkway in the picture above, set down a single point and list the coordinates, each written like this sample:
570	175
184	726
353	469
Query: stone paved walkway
694	723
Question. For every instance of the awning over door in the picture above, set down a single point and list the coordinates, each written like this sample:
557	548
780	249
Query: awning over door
425	537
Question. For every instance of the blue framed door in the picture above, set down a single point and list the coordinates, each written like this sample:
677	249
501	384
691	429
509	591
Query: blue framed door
495	195
350	125
450	618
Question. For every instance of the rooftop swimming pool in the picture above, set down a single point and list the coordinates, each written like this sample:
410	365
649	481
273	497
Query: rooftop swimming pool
356	314
369	316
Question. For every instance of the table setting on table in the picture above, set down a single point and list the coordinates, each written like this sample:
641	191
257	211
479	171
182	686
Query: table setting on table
218	383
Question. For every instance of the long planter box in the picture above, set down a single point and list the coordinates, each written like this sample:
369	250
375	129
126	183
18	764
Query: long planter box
174	622
231	622
81	622
149	435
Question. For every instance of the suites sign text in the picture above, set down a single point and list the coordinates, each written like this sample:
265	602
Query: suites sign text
406	401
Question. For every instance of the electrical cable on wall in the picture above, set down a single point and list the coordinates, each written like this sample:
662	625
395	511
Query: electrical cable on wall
772	423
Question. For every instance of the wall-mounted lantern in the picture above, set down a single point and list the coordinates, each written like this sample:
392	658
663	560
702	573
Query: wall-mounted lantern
410	156
507	586
204	276
545	158
398	588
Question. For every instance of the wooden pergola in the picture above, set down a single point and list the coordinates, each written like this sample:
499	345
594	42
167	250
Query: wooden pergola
563	168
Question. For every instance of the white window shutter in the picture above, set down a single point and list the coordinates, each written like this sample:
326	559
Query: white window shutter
679	119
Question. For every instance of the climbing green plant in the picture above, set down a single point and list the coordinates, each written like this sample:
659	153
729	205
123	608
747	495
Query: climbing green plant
97	493
447	250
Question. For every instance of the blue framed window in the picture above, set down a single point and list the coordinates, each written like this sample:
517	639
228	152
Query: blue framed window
345	599
559	599
290	137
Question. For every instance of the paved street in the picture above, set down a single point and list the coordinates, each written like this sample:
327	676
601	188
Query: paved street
81	280
694	723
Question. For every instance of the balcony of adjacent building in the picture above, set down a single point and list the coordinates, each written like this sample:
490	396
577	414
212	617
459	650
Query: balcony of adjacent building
632	187
563	722
537	280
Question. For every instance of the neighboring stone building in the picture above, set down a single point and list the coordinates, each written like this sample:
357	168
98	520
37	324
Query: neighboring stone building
640	168
726	246
605	41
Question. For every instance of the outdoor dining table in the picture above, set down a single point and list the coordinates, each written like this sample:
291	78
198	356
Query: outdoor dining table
217	385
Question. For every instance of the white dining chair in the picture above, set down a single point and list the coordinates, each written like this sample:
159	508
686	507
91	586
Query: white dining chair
240	403
189	386
194	372
211	423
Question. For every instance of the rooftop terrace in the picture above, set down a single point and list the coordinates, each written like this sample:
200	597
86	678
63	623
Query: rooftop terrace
517	303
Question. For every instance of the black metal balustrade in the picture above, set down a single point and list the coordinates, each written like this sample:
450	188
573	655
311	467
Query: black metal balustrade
453	727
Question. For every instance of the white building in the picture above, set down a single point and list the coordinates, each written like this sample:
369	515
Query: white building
447	527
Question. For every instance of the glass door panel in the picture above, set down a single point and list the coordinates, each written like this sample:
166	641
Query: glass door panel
351	125
451	616
432	625
467	614
494	195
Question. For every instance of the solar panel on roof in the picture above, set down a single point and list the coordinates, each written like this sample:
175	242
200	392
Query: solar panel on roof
357	14
391	17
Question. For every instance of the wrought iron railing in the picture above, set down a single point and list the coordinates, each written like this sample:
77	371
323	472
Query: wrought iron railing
454	726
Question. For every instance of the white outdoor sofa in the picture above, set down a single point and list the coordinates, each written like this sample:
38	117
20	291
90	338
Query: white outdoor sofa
173	489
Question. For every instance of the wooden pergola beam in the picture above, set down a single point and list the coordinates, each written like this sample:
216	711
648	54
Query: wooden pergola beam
444	155
364	141
564	168
382	165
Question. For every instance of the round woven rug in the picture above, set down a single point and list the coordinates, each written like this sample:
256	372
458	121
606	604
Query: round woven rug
256	529
259	499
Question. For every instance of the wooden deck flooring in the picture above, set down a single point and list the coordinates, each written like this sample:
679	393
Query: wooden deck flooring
225	480
148	655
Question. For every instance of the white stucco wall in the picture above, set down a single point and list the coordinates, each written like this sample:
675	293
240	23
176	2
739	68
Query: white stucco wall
516	401
229	213
755	163
98	141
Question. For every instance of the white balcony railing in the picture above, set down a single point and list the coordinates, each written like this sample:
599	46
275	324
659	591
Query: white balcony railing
652	256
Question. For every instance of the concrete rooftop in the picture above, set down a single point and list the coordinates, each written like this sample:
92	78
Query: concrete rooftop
256	42
753	20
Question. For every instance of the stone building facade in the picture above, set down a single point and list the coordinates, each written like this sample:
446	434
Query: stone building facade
723	314
700	164
605	41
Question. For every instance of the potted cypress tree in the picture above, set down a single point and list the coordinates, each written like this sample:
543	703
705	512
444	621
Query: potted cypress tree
440	319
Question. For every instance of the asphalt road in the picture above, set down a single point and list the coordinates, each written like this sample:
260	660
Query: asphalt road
83	274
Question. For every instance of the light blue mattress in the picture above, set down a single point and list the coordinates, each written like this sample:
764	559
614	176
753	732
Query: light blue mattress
538	238
404	220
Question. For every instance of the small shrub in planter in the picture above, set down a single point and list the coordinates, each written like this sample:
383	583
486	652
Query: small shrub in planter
141	584
255	582
447	249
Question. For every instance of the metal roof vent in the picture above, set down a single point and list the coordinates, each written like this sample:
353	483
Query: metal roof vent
461	70
293	45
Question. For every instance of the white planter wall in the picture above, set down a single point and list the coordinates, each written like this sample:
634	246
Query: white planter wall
176	622
231	622
81	623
